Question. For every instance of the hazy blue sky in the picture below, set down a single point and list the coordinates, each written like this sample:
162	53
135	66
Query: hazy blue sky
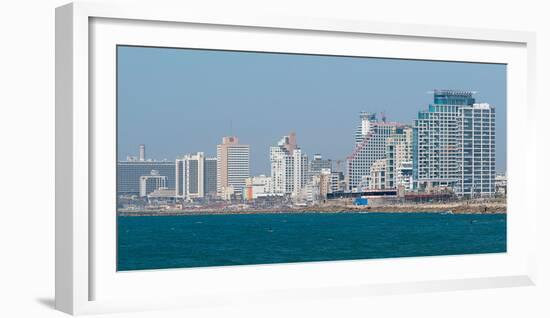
178	101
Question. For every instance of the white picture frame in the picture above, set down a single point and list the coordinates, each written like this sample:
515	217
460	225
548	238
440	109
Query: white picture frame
85	281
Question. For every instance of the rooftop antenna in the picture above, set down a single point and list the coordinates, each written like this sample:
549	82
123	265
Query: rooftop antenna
230	127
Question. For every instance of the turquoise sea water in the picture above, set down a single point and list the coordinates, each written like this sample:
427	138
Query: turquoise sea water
155	242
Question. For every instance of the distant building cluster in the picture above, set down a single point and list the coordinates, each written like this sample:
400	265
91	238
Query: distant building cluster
450	146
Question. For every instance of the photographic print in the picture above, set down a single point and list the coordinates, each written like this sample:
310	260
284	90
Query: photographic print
245	158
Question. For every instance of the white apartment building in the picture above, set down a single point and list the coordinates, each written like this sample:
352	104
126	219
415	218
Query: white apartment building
476	128
150	183
300	170
399	159
370	145
194	175
289	166
378	175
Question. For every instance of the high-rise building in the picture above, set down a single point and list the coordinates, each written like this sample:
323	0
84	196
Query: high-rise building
325	183
289	166
142	152
233	166
151	182
194	175
370	145
300	172
436	140
282	167
399	159
476	126
317	164
210	176
180	178
453	144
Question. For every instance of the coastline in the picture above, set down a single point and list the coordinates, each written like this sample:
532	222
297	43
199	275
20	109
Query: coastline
459	208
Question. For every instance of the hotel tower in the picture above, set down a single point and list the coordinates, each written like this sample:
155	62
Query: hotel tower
454	145
233	166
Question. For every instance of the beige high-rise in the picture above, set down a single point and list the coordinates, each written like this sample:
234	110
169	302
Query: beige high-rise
233	166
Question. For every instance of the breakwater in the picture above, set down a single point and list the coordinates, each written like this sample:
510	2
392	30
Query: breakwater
450	208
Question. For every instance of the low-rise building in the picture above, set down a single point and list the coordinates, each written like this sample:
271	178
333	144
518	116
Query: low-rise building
500	184
258	187
162	193
150	183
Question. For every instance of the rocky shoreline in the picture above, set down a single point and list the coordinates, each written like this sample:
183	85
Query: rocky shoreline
449	208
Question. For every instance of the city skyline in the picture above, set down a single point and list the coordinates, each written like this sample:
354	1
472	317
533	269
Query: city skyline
140	154
320	129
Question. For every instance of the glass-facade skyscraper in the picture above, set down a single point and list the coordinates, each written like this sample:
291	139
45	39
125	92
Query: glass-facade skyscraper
210	176
180	177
